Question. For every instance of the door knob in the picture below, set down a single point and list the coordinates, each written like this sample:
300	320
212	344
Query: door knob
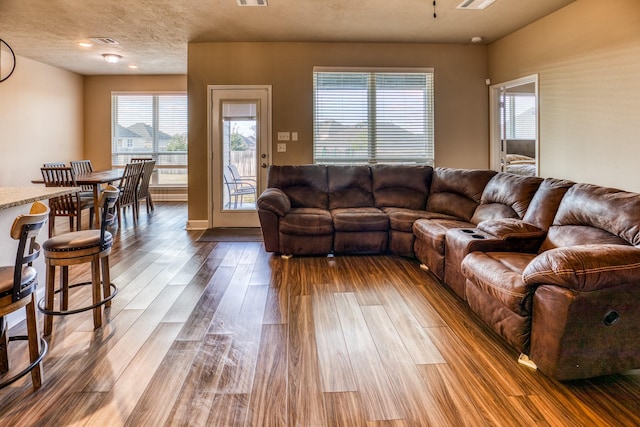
264	165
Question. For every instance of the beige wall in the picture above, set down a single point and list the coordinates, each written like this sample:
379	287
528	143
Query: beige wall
41	120
97	108
461	97
588	58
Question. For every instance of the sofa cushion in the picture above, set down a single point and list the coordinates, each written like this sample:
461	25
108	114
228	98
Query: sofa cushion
349	186
545	202
573	235
305	185
506	196
307	221
402	186
610	209
499	274
360	219
457	192
402	219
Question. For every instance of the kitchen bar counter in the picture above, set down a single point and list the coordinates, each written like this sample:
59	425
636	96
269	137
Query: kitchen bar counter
17	196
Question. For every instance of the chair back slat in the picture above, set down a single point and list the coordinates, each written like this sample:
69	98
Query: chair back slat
81	167
129	183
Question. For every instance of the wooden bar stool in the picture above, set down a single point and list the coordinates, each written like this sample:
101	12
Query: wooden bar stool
81	247
17	289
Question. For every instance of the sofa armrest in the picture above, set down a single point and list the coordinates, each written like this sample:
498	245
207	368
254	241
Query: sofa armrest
510	228
586	267
274	200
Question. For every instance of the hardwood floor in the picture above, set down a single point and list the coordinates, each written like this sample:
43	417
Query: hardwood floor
225	334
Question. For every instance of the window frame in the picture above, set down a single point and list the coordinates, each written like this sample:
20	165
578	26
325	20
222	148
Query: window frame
372	155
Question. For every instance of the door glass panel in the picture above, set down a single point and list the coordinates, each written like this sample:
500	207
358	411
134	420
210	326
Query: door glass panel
239	155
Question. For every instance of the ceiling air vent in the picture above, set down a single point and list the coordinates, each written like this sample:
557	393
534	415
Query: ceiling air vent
252	2
105	41
475	4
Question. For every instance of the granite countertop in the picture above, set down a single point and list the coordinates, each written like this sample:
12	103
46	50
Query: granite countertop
16	196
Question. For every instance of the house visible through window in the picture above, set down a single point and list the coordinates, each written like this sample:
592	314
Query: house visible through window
373	116
151	126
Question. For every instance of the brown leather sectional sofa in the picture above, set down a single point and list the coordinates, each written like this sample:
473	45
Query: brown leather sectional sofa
552	266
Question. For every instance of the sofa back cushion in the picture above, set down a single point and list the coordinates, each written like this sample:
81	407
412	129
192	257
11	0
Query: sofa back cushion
349	187
457	192
305	185
401	186
590	214
506	196
545	202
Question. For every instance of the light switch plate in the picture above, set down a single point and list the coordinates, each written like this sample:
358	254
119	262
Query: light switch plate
282	147
283	136
294	136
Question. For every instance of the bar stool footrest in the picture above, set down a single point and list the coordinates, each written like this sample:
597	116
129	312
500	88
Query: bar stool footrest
44	348
81	309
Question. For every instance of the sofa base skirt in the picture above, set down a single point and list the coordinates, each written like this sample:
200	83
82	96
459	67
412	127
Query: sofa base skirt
360	241
293	244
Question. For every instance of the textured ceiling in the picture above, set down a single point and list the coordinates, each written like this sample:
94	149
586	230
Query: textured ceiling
153	34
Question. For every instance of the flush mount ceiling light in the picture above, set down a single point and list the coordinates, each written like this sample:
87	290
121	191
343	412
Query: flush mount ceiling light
476	39
112	58
475	4
252	2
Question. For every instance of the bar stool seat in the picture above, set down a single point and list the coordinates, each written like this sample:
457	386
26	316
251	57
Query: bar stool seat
17	290
80	247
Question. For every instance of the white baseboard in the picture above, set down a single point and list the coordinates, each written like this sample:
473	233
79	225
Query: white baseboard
197	224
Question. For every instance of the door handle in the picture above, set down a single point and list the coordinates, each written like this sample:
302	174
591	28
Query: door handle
264	165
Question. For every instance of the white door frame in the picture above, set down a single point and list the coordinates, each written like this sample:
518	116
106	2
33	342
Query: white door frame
495	146
212	157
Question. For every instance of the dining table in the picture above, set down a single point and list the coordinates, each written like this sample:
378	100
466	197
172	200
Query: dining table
95	179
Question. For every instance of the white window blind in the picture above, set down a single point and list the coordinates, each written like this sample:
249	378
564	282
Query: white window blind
371	117
155	126
520	116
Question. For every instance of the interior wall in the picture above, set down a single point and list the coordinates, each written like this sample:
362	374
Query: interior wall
41	120
587	56
461	96
97	108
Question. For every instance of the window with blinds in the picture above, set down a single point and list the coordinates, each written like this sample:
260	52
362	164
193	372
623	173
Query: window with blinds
519	119
151	126
368	117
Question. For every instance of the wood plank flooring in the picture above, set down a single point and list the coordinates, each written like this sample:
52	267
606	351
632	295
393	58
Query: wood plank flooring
225	334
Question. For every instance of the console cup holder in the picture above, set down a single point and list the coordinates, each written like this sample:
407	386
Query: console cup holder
611	317
477	236
466	230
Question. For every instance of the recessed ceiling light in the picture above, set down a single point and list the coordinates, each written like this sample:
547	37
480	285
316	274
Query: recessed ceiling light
112	58
85	44
133	67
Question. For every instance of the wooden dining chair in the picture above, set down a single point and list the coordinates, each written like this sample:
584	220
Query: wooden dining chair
54	165
143	189
129	190
69	205
18	289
